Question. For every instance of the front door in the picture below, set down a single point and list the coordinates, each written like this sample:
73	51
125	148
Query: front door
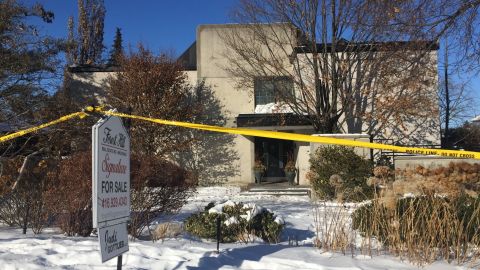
274	154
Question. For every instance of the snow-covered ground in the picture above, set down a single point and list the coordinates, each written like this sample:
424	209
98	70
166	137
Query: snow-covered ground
52	250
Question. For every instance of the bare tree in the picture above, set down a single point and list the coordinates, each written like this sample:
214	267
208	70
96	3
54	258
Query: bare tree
28	70
455	23
349	73
154	86
71	48
456	103
454	20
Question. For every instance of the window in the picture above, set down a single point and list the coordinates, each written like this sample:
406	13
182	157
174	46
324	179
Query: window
272	89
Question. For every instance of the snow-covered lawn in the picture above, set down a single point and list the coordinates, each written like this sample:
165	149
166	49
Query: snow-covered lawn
52	250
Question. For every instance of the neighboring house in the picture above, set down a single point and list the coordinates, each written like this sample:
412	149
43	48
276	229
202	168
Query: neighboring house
476	120
256	107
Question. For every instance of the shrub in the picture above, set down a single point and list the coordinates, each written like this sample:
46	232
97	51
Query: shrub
238	222
453	180
349	172
439	219
157	186
69	196
423	228
23	182
12	203
167	230
333	227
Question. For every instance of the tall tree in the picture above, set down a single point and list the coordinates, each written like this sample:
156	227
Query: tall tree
154	86
455	20
348	71
71	50
447	100
456	102
28	73
455	24
28	63
117	48
91	17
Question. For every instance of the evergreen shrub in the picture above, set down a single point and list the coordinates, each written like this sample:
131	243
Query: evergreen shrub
337	172
239	222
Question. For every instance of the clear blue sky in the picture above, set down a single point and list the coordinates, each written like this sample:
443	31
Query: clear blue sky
159	24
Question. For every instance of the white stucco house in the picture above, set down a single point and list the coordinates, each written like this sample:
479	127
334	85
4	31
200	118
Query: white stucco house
208	59
257	107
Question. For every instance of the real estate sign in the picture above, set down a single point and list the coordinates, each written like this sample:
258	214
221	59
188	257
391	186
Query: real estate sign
111	185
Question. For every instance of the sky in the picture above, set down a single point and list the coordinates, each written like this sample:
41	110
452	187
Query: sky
161	25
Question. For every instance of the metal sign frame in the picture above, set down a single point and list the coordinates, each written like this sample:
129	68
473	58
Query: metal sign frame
114	150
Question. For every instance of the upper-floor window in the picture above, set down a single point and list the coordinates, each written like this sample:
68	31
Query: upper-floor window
272	89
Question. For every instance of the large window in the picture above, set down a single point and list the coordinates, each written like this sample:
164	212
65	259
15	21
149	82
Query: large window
272	89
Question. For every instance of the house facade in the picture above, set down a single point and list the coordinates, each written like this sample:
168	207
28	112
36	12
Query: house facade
252	101
254	104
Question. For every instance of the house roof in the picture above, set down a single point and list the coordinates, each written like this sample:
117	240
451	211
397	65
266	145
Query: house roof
346	46
92	68
476	119
188	59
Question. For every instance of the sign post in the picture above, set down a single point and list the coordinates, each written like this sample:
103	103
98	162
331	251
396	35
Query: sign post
111	186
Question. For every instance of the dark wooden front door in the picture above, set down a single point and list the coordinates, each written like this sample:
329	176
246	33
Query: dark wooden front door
273	153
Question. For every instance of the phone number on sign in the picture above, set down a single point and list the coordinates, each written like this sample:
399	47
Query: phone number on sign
114	202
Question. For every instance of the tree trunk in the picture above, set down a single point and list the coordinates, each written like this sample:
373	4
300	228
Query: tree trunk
446	135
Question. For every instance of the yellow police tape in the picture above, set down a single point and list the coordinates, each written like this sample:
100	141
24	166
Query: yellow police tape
256	133
305	138
36	128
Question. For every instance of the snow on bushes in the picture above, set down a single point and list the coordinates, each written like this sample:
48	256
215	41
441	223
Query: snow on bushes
239	222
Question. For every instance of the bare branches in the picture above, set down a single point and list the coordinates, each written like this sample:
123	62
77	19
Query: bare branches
456	21
341	59
154	86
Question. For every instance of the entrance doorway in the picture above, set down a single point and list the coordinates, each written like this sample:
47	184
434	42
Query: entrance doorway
274	155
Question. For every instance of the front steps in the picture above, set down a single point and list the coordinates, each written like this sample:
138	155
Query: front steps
277	190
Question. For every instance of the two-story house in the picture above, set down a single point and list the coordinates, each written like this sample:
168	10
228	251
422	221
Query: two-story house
254	104
252	101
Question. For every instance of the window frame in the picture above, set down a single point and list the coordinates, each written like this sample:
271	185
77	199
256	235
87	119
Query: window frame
272	80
